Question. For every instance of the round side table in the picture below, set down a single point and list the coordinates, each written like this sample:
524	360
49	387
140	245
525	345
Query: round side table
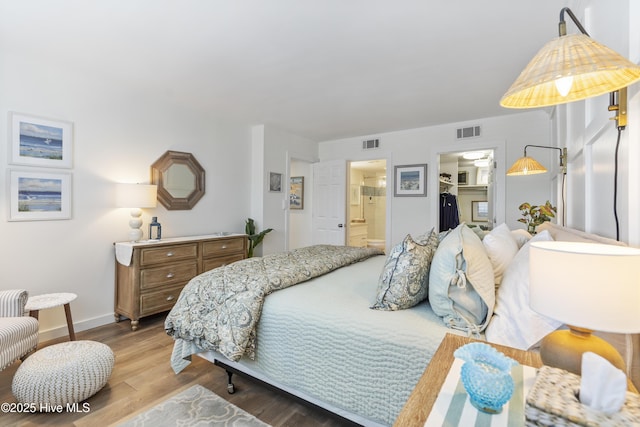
42	302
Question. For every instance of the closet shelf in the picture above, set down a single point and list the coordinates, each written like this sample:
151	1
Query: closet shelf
473	187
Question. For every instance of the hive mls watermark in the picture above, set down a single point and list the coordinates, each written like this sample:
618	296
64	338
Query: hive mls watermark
24	408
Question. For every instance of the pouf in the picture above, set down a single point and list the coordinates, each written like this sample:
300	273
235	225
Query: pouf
63	373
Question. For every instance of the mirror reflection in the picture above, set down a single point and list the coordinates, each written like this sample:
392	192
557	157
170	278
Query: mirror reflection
180	180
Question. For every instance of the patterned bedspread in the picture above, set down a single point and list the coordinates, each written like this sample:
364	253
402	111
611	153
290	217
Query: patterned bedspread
219	309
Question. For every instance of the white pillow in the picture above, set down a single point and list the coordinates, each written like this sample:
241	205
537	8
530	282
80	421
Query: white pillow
521	236
501	248
461	282
514	323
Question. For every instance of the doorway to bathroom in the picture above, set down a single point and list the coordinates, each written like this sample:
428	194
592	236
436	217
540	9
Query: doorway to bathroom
367	207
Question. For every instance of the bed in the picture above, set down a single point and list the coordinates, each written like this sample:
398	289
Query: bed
321	341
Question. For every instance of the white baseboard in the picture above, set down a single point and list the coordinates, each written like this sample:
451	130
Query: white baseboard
61	331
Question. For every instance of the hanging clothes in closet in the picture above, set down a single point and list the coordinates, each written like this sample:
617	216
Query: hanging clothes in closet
449	217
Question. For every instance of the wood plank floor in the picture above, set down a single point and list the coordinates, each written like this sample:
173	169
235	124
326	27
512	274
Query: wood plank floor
142	377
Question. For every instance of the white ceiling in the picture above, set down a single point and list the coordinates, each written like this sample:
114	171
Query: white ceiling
322	69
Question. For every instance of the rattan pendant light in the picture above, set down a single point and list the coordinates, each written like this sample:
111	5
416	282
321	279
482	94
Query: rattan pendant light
593	68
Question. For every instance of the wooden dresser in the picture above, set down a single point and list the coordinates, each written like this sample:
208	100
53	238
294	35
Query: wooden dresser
151	274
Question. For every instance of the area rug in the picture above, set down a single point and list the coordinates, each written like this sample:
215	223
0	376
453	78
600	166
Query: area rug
196	406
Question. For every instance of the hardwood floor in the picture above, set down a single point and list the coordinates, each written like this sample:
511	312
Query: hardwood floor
142	376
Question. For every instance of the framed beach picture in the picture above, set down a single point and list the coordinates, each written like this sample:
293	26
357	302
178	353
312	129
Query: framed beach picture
36	141
275	182
410	180
37	196
296	193
480	211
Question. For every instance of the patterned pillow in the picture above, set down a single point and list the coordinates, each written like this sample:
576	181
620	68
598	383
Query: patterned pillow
404	281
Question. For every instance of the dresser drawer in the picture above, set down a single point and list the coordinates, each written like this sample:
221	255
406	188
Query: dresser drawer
150	256
223	246
211	263
170	274
158	301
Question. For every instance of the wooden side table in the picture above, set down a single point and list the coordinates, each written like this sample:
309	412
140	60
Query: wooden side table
418	406
42	302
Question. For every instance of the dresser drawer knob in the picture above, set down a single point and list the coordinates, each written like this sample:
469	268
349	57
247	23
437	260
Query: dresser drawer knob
170	298
169	253
224	247
170	275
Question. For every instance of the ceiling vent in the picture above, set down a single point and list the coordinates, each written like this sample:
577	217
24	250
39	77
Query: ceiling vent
470	132
371	144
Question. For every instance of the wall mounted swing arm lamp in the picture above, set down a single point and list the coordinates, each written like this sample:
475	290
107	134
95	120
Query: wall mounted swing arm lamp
571	68
529	166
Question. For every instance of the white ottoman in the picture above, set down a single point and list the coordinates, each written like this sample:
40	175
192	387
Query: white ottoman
63	373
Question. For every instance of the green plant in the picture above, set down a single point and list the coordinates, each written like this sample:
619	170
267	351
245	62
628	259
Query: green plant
254	238
533	215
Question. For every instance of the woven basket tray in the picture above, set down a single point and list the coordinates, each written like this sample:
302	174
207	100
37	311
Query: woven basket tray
553	401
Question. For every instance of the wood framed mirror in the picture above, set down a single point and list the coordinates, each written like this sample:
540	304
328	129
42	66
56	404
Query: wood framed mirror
180	180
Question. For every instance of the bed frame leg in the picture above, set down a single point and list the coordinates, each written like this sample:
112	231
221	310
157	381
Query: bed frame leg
230	387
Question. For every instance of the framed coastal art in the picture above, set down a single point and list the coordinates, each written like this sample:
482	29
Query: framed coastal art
36	141
296	193
38	196
410	180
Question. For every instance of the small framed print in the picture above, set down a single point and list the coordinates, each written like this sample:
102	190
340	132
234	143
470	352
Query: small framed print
39	196
36	141
410	180
275	182
296	193
480	211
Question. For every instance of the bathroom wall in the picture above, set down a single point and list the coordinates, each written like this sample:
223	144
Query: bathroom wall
374	203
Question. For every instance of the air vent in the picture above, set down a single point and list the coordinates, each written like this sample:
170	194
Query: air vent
470	132
371	144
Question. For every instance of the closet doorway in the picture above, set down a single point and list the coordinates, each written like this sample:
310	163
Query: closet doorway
367	204
466	182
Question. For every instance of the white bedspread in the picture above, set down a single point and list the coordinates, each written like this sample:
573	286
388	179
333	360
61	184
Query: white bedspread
321	338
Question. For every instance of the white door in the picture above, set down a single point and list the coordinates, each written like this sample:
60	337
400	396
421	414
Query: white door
329	202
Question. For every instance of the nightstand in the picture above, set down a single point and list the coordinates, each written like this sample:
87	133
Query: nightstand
418	406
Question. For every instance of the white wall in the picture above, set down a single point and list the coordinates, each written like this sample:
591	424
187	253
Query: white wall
299	228
273	150
119	132
591	136
414	214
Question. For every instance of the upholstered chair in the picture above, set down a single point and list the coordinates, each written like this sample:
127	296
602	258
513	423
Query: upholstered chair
18	333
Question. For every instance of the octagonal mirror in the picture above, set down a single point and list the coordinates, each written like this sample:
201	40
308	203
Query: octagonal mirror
180	180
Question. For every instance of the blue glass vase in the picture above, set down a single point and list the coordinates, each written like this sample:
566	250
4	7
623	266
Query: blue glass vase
486	376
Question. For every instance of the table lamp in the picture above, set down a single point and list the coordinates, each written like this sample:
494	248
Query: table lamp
135	197
589	287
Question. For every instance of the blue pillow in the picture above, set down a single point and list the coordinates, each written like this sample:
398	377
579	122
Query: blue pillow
461	281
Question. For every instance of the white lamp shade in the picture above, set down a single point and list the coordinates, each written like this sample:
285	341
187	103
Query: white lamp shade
587	285
136	196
